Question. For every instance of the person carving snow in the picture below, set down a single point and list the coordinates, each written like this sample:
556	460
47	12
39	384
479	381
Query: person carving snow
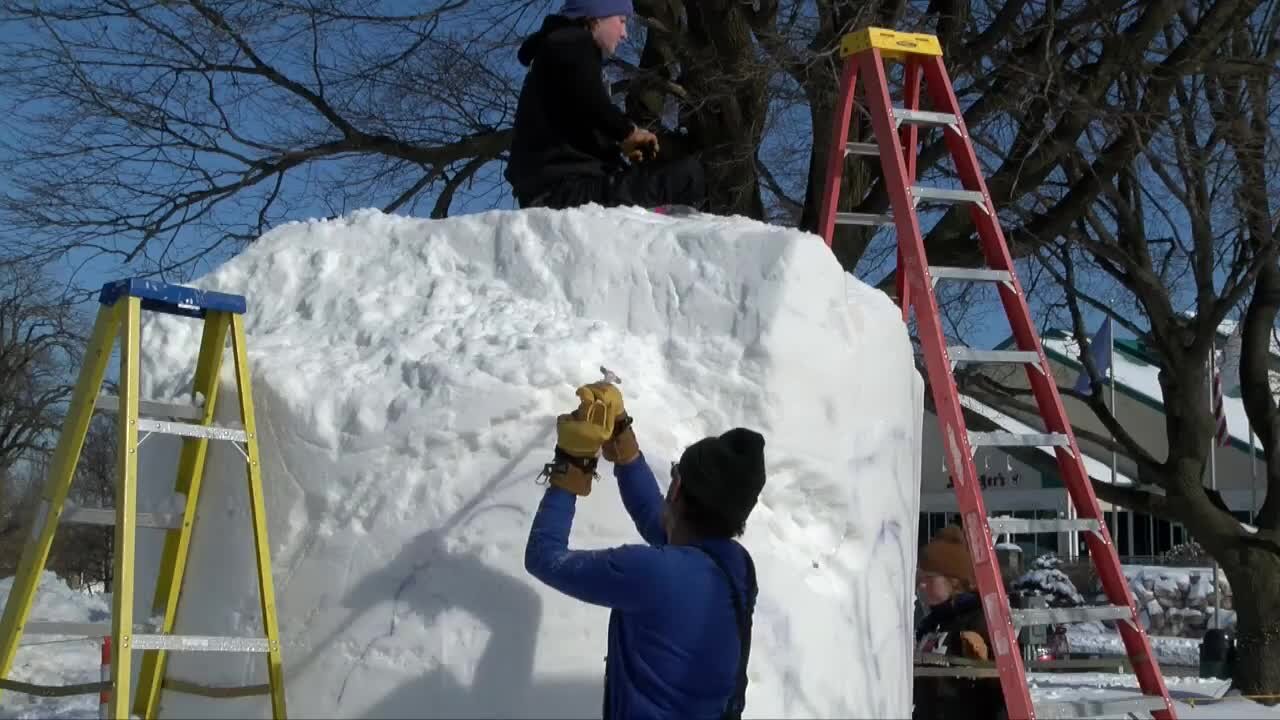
569	139
954	625
682	604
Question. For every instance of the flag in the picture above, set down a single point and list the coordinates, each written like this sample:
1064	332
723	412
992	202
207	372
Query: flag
1230	367
1100	351
1219	411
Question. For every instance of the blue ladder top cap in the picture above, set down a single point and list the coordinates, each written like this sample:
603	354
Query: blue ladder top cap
173	299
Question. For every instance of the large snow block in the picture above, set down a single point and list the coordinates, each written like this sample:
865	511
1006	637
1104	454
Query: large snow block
407	374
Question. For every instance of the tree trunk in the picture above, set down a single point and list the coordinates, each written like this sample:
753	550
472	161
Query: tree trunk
1255	585
728	119
1252	567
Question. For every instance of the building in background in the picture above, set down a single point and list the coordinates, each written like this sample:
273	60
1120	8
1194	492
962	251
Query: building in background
1025	483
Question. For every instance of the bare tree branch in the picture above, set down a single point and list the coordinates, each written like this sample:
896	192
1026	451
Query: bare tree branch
142	135
39	342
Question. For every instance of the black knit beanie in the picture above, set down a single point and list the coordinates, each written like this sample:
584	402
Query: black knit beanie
725	474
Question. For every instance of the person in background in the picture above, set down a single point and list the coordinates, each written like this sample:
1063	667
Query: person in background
953	625
682	603
571	145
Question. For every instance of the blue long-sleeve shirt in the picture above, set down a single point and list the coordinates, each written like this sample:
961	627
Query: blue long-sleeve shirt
673	635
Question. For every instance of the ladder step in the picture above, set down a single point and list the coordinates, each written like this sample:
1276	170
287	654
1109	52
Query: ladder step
107	516
1062	709
111	403
200	643
1008	439
972	355
88	630
862	148
50	627
923	117
1019	526
973	274
1060	616
850	218
947	195
210	432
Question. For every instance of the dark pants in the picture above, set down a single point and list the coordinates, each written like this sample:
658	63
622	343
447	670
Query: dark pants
649	184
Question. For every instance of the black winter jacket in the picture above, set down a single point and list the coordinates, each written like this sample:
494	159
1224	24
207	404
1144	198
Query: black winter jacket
955	698
566	125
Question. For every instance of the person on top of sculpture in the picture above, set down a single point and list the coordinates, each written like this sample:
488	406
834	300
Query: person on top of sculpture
682	604
570	144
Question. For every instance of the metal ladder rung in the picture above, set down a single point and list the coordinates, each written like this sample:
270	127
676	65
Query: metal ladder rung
56	627
862	148
1008	439
1061	616
972	274
1020	526
107	516
200	643
1062	709
851	218
923	117
111	403
51	627
947	195
972	355
210	432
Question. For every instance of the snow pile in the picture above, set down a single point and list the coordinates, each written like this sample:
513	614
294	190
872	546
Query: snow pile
56	659
407	374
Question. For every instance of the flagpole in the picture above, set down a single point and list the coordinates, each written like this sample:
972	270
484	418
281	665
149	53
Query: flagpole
1111	369
1073	537
1213	466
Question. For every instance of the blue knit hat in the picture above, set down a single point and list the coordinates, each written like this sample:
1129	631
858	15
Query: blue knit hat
596	8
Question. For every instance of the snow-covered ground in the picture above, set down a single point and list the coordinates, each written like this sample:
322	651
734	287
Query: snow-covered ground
54	660
1195	698
57	659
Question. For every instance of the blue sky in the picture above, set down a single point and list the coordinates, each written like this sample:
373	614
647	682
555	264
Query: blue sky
89	272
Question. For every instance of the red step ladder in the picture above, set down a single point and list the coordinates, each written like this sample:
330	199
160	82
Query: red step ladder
896	130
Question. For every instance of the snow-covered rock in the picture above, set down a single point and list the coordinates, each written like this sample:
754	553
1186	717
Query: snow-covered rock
1179	601
1173	601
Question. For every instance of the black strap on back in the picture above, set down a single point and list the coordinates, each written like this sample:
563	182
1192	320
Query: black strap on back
738	701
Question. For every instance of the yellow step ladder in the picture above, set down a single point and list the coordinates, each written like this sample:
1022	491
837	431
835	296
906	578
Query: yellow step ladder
121	306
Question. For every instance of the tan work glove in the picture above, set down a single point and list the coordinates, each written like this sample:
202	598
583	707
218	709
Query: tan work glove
640	145
621	447
973	646
579	436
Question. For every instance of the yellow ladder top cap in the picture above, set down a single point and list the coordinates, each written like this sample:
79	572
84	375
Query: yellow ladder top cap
892	44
